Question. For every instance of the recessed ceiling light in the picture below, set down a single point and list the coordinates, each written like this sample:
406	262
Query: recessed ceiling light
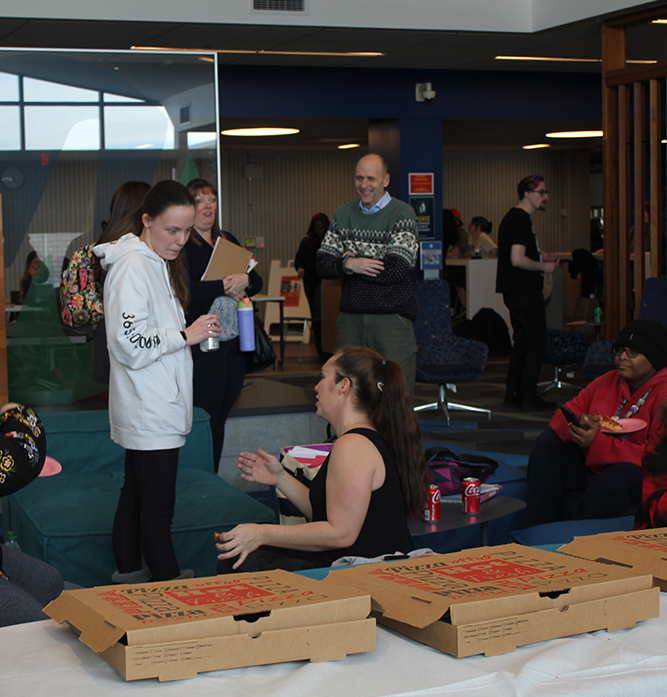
536	146
556	59
259	131
575	134
659	21
348	146
353	54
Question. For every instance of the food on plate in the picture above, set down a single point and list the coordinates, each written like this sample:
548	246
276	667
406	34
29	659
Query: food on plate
609	423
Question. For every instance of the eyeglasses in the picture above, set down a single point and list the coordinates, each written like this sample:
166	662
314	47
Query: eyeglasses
541	192
629	352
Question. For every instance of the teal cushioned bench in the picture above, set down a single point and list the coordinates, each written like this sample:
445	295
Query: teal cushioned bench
66	520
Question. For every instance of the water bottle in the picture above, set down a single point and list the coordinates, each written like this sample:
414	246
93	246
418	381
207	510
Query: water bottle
10	540
246	325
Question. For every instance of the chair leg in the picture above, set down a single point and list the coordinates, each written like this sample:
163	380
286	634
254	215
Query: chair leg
444	404
557	382
434	406
466	407
303	339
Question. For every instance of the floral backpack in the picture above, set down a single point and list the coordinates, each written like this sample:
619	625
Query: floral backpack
80	294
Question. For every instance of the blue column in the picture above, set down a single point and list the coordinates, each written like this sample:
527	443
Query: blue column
410	145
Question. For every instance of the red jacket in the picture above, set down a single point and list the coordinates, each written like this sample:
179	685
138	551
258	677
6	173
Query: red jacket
653	511
603	396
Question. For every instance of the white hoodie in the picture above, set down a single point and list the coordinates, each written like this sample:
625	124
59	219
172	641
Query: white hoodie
150	387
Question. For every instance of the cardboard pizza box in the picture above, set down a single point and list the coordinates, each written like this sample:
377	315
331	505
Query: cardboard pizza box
492	599
175	629
644	551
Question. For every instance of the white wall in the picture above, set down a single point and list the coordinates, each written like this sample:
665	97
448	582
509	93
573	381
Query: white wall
452	15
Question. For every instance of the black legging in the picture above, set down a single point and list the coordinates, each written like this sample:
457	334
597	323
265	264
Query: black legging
144	514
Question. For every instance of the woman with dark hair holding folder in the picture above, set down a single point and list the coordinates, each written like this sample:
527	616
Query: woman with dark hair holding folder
218	375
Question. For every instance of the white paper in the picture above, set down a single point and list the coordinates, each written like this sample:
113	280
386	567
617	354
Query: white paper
301	453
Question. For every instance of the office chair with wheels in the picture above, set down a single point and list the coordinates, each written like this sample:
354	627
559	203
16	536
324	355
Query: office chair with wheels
442	357
565	351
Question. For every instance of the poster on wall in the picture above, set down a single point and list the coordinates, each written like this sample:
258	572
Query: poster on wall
423	208
421	183
421	199
290	289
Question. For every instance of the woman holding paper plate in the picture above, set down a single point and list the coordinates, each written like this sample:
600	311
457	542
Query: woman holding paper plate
218	375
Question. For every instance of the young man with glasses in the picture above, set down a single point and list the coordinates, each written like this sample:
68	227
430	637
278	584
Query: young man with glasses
520	277
587	470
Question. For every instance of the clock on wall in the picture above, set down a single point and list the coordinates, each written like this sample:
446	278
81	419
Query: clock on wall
12	178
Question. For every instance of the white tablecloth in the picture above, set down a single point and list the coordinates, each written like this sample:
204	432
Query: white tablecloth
44	659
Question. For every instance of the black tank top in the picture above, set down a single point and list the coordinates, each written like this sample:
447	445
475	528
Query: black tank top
385	529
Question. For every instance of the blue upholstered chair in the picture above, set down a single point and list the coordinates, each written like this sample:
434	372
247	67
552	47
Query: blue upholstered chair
565	350
442	357
599	358
67	520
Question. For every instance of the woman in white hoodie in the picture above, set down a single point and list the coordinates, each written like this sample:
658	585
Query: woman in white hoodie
150	386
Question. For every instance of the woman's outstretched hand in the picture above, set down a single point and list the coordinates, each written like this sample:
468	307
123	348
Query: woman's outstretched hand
260	467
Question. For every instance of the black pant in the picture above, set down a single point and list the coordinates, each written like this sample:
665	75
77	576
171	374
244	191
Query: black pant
529	322
218	379
270	558
562	487
144	514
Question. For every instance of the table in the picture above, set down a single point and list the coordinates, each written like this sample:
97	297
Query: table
480	286
581	323
452	517
281	303
43	659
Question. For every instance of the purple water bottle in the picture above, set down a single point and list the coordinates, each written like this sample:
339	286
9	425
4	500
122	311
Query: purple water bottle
246	325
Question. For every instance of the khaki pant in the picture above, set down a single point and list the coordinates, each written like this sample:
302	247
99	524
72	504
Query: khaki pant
392	336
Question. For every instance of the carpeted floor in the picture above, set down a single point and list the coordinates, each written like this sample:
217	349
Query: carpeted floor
291	388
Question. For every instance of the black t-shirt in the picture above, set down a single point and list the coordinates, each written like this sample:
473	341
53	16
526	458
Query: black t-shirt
517	228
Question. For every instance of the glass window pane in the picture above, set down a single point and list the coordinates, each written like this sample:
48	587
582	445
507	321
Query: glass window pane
145	128
119	98
200	139
9	88
62	128
44	91
10	133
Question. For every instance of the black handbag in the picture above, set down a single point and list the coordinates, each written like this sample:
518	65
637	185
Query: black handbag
263	356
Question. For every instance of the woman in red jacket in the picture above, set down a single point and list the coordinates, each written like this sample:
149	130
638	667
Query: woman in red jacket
653	511
582	471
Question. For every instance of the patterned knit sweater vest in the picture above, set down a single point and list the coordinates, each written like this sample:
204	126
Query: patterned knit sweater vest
389	235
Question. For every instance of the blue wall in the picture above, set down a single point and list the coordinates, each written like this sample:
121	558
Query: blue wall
377	93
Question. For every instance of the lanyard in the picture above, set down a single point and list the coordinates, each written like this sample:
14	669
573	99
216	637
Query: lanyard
633	409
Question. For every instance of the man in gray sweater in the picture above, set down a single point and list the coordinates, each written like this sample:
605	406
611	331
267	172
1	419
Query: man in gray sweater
372	245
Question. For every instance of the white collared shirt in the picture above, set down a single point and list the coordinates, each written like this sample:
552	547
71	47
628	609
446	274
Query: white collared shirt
378	206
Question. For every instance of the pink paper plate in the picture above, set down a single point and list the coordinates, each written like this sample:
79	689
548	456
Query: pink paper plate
629	425
50	468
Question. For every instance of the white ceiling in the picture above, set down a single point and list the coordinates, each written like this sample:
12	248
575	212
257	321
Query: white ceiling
569	28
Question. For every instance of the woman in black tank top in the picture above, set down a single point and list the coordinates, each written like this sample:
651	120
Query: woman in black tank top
374	479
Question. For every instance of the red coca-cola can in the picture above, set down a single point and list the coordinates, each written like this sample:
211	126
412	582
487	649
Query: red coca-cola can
470	495
431	512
